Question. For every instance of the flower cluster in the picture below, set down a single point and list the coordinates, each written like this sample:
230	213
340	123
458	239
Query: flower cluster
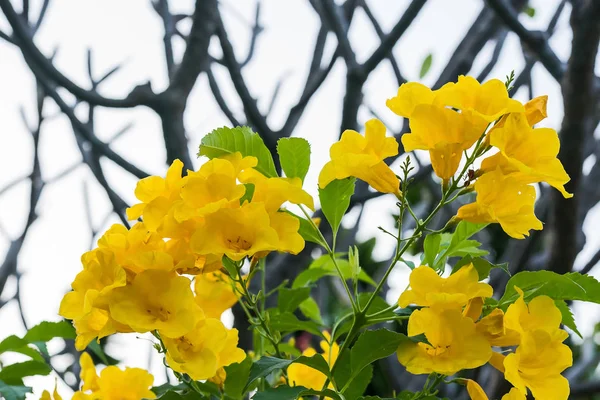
137	280
451	120
458	337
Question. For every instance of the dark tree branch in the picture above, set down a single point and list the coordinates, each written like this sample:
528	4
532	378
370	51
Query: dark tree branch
535	41
257	29
501	38
216	91
580	96
162	8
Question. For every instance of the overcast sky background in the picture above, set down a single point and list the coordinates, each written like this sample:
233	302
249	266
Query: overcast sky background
130	33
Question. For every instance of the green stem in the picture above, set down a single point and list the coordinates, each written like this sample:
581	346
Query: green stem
331	253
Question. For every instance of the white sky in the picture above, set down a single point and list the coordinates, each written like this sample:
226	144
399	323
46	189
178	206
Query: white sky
130	33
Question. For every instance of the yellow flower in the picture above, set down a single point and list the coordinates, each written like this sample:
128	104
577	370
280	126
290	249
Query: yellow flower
444	133
535	110
486	102
156	300
541	313
429	289
236	232
136	249
202	352
128	384
537	364
493	327
410	95
286	226
88	374
303	375
156	195
503	199
54	396
87	304
362	157
476	392
214	293
273	192
515	139
213	187
454	344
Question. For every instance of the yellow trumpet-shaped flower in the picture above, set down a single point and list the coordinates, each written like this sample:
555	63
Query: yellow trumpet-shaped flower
214	293
156	194
273	192
362	157
515	139
54	396
202	352
537	364
444	133
454	344
410	95
505	200
236	232
303	375
428	289
214	186
483	101
113	383
158	300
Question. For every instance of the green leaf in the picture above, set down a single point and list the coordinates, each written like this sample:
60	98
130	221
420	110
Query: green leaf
248	194
224	141
567	316
267	365
14	373
290	299
294	156
354	260
571	286
310	309
95	348
431	248
17	345
13	392
230	267
335	200
325	262
352	388
288	322
482	266
166	387
236	377
529	11
307	231
378	304
46	331
281	392
171	395
425	65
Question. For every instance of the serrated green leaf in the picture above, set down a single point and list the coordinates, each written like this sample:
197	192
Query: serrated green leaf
335	200
372	346
288	322
426	65
310	309
459	243
13	392
236	377
172	395
165	387
14	373
294	156
290	299
17	345
224	141
46	331
570	286
568	319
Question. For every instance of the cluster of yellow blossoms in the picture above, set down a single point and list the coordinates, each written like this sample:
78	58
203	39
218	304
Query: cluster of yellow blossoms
113	383
446	123
459	337
137	280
